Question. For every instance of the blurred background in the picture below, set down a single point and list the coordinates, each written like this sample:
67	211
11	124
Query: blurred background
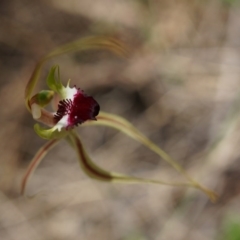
180	86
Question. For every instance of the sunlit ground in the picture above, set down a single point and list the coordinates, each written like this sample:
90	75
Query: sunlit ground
180	86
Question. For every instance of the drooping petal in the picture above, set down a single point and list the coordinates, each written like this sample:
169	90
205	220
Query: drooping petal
94	171
121	124
36	161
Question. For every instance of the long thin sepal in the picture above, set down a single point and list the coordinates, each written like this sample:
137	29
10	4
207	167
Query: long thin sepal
87	43
96	42
95	172
36	161
121	124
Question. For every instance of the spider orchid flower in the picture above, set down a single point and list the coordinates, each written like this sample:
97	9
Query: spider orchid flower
72	107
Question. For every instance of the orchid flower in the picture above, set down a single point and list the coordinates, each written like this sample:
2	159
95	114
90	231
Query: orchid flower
74	107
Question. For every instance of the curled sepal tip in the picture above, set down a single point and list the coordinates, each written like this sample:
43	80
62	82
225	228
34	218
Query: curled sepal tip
52	133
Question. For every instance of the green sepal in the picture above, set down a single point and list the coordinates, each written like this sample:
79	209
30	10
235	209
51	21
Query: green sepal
42	98
51	133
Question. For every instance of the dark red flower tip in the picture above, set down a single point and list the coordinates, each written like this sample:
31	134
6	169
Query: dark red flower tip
78	110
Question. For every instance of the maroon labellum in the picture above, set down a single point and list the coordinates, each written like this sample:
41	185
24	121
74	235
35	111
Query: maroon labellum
77	109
